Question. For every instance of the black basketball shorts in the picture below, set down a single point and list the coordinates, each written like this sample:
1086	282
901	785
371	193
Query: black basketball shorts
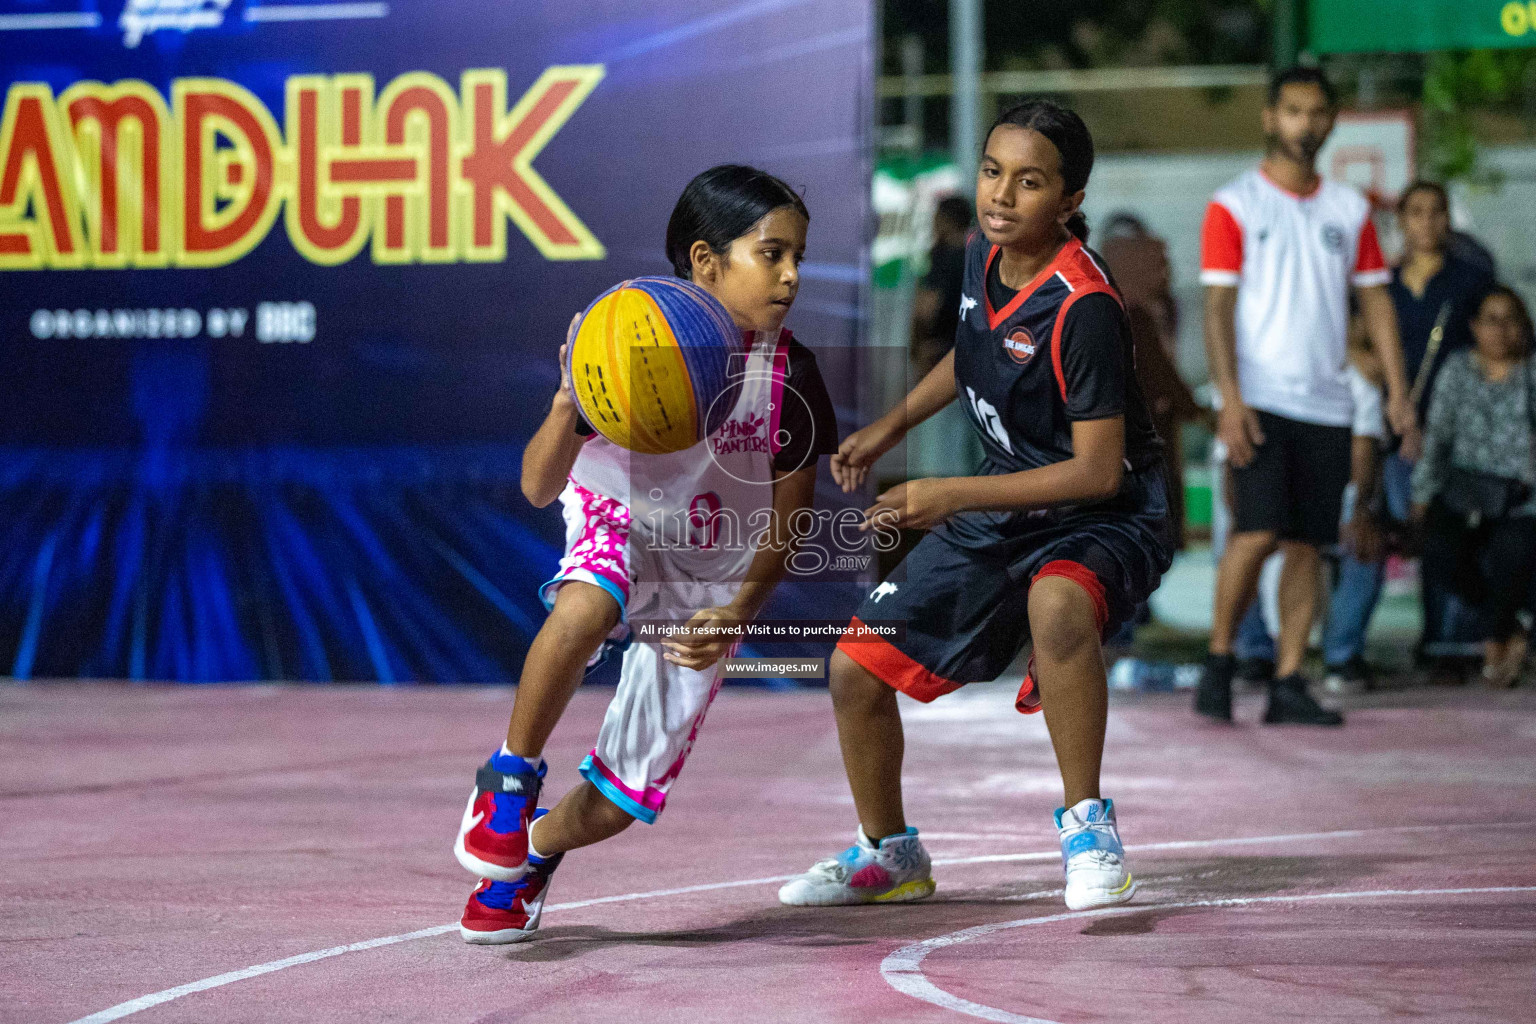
965	608
1295	484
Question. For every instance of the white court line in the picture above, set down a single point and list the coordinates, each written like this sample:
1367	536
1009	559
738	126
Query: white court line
903	969
156	998
133	1006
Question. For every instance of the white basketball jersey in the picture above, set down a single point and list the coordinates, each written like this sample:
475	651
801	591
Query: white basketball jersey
1293	260
704	505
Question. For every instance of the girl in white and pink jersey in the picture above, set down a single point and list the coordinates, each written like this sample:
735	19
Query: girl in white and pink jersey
700	536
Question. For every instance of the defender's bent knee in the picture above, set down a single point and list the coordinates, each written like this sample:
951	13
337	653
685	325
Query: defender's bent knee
852	685
1062	618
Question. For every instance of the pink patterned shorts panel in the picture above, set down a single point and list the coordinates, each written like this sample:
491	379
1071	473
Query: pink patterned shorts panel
597	534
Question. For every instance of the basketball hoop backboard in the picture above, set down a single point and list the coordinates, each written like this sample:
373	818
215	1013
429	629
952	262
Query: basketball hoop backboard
1373	152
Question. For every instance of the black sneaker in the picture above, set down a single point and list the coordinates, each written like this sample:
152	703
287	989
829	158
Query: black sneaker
1291	704
1213	697
1257	671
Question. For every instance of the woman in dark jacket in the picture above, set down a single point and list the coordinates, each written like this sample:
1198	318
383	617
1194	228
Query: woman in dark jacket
1436	292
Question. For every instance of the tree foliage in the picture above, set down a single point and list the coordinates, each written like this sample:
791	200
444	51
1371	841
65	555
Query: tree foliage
1455	84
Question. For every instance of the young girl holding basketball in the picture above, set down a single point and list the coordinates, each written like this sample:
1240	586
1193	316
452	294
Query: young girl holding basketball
739	233
1061	536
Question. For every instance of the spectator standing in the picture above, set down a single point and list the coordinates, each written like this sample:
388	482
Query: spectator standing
1475	487
1436	292
1360	555
936	304
1362	548
1138	261
945	445
1281	248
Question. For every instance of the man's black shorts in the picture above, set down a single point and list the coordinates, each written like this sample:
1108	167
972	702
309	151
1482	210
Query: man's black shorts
965	606
1295	484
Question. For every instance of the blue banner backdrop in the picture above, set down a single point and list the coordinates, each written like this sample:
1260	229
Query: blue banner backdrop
283	286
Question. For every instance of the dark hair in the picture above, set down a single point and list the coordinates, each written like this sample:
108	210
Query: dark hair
1520	311
1302	76
956	210
1071	138
721	205
1424	185
1124	224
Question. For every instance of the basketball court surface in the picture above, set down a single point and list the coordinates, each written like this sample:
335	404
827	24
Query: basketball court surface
282	854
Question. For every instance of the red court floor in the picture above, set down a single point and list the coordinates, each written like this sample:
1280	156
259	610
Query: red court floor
207	854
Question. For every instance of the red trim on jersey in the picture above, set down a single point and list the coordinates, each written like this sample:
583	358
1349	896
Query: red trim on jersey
1369	259
1085	288
1082	271
1221	240
894	667
996	319
1084	577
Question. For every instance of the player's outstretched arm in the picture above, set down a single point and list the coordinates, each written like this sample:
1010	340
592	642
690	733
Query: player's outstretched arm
552	451
1093	473
862	448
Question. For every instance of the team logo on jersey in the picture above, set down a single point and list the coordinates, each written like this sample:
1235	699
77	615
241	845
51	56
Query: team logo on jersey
1020	345
747	434
1333	237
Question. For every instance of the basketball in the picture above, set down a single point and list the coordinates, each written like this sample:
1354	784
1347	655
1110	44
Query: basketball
648	359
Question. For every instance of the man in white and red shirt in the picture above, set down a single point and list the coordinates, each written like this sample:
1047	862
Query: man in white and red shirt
1280	252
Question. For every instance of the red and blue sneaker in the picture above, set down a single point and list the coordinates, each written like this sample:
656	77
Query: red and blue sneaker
493	837
499	912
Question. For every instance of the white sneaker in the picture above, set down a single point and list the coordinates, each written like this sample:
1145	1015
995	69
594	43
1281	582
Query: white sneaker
1092	856
897	870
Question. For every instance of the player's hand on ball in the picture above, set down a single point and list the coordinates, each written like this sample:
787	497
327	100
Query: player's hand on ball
566	388
859	451
711	632
914	505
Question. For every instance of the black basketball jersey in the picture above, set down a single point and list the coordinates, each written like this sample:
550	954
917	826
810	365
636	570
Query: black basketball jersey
1058	352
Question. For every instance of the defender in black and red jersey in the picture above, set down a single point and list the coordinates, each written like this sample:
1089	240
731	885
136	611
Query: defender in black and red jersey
1061	537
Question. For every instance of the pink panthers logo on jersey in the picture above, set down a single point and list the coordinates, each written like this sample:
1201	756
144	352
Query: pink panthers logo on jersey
1020	345
749	434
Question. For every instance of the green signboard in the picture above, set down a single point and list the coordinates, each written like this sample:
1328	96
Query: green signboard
1411	26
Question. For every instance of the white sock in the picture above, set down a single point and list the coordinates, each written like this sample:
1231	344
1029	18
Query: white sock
873	844
533	851
1085	810
533	763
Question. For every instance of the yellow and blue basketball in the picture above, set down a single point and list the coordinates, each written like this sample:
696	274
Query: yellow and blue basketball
648	359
